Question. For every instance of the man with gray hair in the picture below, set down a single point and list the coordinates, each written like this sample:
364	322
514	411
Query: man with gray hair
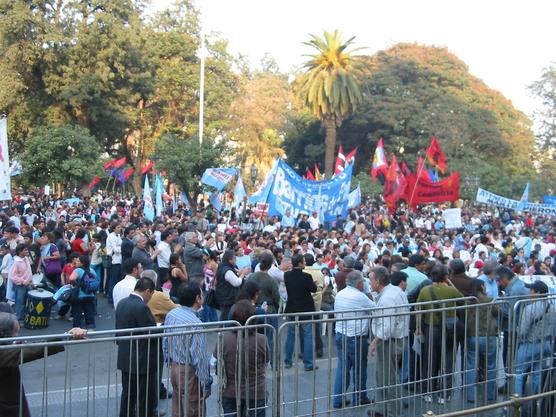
489	278
193	257
352	341
390	332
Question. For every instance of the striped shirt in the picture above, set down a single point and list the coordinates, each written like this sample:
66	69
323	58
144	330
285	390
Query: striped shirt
175	348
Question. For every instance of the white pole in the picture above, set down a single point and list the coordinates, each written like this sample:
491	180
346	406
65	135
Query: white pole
202	84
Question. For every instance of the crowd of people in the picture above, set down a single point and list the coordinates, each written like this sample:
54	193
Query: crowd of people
197	266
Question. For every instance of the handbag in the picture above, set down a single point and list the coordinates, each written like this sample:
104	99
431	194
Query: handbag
210	299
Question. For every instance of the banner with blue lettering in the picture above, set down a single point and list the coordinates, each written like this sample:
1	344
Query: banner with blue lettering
218	177
354	198
288	190
486	197
550	200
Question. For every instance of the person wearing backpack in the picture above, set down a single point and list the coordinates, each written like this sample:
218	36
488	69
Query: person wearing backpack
86	284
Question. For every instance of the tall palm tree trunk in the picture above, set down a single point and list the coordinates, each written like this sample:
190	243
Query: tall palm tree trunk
330	145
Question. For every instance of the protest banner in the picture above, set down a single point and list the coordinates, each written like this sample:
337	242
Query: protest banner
452	218
284	189
5	184
423	191
549	200
486	197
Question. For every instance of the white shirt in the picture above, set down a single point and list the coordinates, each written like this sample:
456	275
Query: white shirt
114	248
392	326
314	222
123	289
163	257
351	299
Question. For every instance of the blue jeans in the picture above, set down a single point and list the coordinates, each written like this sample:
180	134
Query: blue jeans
352	355
20	297
307	344
84	306
114	278
229	406
531	356
479	350
273	321
208	314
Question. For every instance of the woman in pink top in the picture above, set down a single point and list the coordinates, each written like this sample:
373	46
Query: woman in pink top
20	275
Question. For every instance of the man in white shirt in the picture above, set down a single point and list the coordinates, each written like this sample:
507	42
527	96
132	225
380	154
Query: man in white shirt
390	332
132	269
314	221
288	220
352	341
167	237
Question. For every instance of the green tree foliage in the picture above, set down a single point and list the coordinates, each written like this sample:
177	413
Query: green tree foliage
68	155
185	161
545	90
412	92
330	88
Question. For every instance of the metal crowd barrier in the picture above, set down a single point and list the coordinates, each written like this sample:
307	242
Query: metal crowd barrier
439	366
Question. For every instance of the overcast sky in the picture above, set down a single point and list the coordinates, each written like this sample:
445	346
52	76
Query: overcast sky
505	43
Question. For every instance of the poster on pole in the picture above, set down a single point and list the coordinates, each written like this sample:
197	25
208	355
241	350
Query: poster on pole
5	186
452	218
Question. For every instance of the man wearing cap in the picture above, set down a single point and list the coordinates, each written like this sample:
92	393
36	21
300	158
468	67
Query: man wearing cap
534	334
340	277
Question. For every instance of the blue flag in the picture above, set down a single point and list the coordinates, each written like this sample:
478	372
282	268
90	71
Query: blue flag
218	177
239	192
158	190
524	199
216	200
148	208
550	200
184	199
354	198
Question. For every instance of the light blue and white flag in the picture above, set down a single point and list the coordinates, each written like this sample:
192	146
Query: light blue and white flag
158	190
216	200
550	200
148	207
239	192
524	199
15	168
218	177
184	199
354	198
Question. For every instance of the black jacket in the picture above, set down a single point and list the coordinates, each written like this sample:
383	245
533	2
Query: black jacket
299	286
127	249
136	356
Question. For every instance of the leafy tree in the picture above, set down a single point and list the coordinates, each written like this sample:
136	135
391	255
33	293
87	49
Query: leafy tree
185	161
258	117
545	90
66	155
330	88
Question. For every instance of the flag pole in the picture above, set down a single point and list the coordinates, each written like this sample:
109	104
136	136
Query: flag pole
202	85
420	171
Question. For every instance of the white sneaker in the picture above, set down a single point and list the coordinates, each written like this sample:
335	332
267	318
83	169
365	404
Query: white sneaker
427	398
444	400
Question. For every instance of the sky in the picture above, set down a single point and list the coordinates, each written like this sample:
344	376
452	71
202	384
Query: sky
505	43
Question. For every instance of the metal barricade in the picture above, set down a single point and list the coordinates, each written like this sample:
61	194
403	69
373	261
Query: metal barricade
440	365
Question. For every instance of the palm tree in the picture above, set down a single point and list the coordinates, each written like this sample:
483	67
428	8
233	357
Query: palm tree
330	88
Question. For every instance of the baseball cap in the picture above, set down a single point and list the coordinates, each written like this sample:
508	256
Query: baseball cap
539	287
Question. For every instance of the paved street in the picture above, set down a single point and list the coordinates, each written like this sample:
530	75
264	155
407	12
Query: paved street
88	371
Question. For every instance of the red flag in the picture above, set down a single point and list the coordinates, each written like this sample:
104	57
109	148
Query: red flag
340	161
395	184
147	167
405	169
93	183
119	163
318	176
425	191
380	165
351	156
109	164
422	171
128	173
435	155
310	175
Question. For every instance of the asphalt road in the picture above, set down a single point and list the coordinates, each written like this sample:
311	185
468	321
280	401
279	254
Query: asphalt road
83	381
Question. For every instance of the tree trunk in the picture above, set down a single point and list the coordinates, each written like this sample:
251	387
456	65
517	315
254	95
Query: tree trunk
330	145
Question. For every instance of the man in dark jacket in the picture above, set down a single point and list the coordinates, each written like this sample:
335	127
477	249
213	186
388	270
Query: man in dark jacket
458	277
127	242
299	286
138	359
340	278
